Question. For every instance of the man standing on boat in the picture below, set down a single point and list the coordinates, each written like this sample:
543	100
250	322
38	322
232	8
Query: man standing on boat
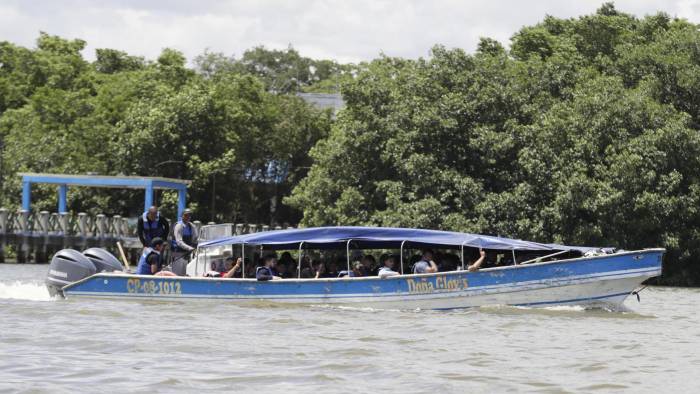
426	265
151	225
183	243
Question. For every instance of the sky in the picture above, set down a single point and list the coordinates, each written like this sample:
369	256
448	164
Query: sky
346	31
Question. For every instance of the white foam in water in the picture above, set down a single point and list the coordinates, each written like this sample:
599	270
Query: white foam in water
18	290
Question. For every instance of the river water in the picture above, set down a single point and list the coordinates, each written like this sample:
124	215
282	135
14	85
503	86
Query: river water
211	346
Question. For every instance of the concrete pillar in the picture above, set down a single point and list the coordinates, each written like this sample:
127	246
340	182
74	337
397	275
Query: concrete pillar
82	224
101	225
198	225
4	214
125	228
117	226
53	223
24	221
43	222
63	220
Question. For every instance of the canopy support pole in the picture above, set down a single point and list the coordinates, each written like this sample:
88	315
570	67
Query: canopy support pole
462	248
515	262
299	266
401	256
243	260
347	253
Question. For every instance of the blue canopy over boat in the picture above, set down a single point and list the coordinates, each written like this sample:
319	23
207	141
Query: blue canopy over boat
381	237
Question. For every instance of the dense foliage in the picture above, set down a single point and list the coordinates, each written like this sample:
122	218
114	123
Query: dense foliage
243	146
584	132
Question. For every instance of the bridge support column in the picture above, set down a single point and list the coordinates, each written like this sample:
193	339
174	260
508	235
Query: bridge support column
181	201
148	201
62	192
26	195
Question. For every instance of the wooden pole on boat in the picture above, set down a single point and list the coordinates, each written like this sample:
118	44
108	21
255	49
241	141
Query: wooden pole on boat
123	256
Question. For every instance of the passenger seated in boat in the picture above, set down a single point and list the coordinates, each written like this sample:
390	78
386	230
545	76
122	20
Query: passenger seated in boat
267	271
477	264
288	261
281	270
318	268
369	264
356	271
151	261
331	270
449	262
388	268
426	265
307	270
232	270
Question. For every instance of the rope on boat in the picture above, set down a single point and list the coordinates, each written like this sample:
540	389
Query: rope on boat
636	292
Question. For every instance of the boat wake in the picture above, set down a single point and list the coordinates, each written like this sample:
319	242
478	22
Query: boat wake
19	290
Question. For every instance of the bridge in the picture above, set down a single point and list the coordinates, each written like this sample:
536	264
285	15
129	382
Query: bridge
34	236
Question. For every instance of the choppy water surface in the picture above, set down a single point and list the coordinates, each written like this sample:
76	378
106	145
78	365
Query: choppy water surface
137	346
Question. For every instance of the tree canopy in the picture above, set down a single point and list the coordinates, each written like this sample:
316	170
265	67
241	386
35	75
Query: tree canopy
585	132
243	144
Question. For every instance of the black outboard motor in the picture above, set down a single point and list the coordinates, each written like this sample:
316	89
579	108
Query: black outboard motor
67	266
103	260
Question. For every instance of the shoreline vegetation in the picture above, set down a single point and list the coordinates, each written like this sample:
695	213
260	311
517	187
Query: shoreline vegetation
579	131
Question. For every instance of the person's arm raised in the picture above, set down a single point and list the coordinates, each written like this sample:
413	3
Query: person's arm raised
477	263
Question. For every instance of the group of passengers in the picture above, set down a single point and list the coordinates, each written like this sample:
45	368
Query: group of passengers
270	268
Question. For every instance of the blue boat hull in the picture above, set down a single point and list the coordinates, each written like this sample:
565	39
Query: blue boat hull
603	280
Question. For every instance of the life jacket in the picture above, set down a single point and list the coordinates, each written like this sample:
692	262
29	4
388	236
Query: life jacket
152	229
261	271
144	268
186	237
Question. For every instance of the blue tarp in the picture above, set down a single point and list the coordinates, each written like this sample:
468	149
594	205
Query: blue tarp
380	237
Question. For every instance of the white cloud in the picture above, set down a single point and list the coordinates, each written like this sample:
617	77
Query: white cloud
343	30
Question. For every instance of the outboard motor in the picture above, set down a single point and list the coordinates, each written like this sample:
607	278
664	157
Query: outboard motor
67	266
103	260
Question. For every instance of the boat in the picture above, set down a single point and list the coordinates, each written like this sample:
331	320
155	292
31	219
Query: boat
527	274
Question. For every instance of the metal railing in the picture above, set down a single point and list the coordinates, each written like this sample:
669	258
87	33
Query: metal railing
44	223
